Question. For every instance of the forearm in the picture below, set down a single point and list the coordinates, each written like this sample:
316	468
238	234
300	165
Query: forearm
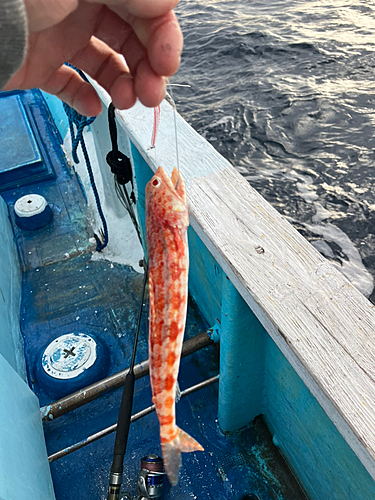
13	38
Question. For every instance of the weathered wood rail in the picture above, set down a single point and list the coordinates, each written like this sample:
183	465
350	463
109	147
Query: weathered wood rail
321	323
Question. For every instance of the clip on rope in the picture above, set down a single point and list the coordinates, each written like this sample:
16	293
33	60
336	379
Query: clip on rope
121	167
119	163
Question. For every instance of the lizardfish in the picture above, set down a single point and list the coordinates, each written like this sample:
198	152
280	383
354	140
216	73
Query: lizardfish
167	220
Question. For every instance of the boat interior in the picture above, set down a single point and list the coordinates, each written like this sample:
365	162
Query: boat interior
70	314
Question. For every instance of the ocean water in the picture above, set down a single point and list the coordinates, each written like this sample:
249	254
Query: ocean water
285	90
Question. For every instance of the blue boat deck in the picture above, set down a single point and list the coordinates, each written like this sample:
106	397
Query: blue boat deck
64	291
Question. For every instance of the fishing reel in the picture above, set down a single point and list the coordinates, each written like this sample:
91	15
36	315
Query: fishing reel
150	479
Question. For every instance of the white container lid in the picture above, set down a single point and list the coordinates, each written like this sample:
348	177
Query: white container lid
69	355
30	205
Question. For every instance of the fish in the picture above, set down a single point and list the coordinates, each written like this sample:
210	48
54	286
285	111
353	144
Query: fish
167	220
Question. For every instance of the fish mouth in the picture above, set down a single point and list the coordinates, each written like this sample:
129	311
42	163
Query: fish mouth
172	182
163	176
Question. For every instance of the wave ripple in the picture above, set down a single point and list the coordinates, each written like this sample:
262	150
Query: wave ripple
281	88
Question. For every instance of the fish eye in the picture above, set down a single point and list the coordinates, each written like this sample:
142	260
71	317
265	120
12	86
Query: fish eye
156	182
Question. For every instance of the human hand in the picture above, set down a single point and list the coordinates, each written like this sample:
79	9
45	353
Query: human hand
93	35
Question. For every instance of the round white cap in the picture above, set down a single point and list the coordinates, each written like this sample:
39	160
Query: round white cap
69	355
30	205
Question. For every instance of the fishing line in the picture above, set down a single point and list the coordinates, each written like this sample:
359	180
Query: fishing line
169	98
173	104
175	130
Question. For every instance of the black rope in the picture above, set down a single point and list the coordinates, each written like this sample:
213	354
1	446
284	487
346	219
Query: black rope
122	169
119	163
81	122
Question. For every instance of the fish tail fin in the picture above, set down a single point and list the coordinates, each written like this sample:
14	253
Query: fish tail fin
172	453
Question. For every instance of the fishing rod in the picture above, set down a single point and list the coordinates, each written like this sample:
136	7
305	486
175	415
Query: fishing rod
125	412
121	168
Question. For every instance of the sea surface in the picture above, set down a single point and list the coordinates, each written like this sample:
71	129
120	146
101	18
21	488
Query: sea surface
285	90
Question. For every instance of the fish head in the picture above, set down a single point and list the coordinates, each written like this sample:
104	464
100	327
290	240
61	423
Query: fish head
166	200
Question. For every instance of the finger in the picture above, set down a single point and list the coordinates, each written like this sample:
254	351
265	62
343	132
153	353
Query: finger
66	84
149	87
164	45
163	40
140	8
108	68
160	40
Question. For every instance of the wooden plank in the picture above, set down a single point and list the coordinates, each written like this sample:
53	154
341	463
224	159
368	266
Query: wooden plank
322	324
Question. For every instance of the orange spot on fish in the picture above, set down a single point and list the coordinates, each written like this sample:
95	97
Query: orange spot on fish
169	402
176	301
174	331
169	382
175	270
166	420
171	358
172	434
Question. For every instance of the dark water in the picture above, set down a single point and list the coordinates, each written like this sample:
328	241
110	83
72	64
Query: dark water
285	90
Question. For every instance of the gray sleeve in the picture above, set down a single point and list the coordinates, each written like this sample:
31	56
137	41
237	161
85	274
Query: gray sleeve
13	38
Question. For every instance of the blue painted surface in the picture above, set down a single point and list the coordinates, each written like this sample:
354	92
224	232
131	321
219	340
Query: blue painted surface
242	352
256	378
70	229
25	156
57	112
79	295
323	461
11	343
17	140
24	471
231	465
205	279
